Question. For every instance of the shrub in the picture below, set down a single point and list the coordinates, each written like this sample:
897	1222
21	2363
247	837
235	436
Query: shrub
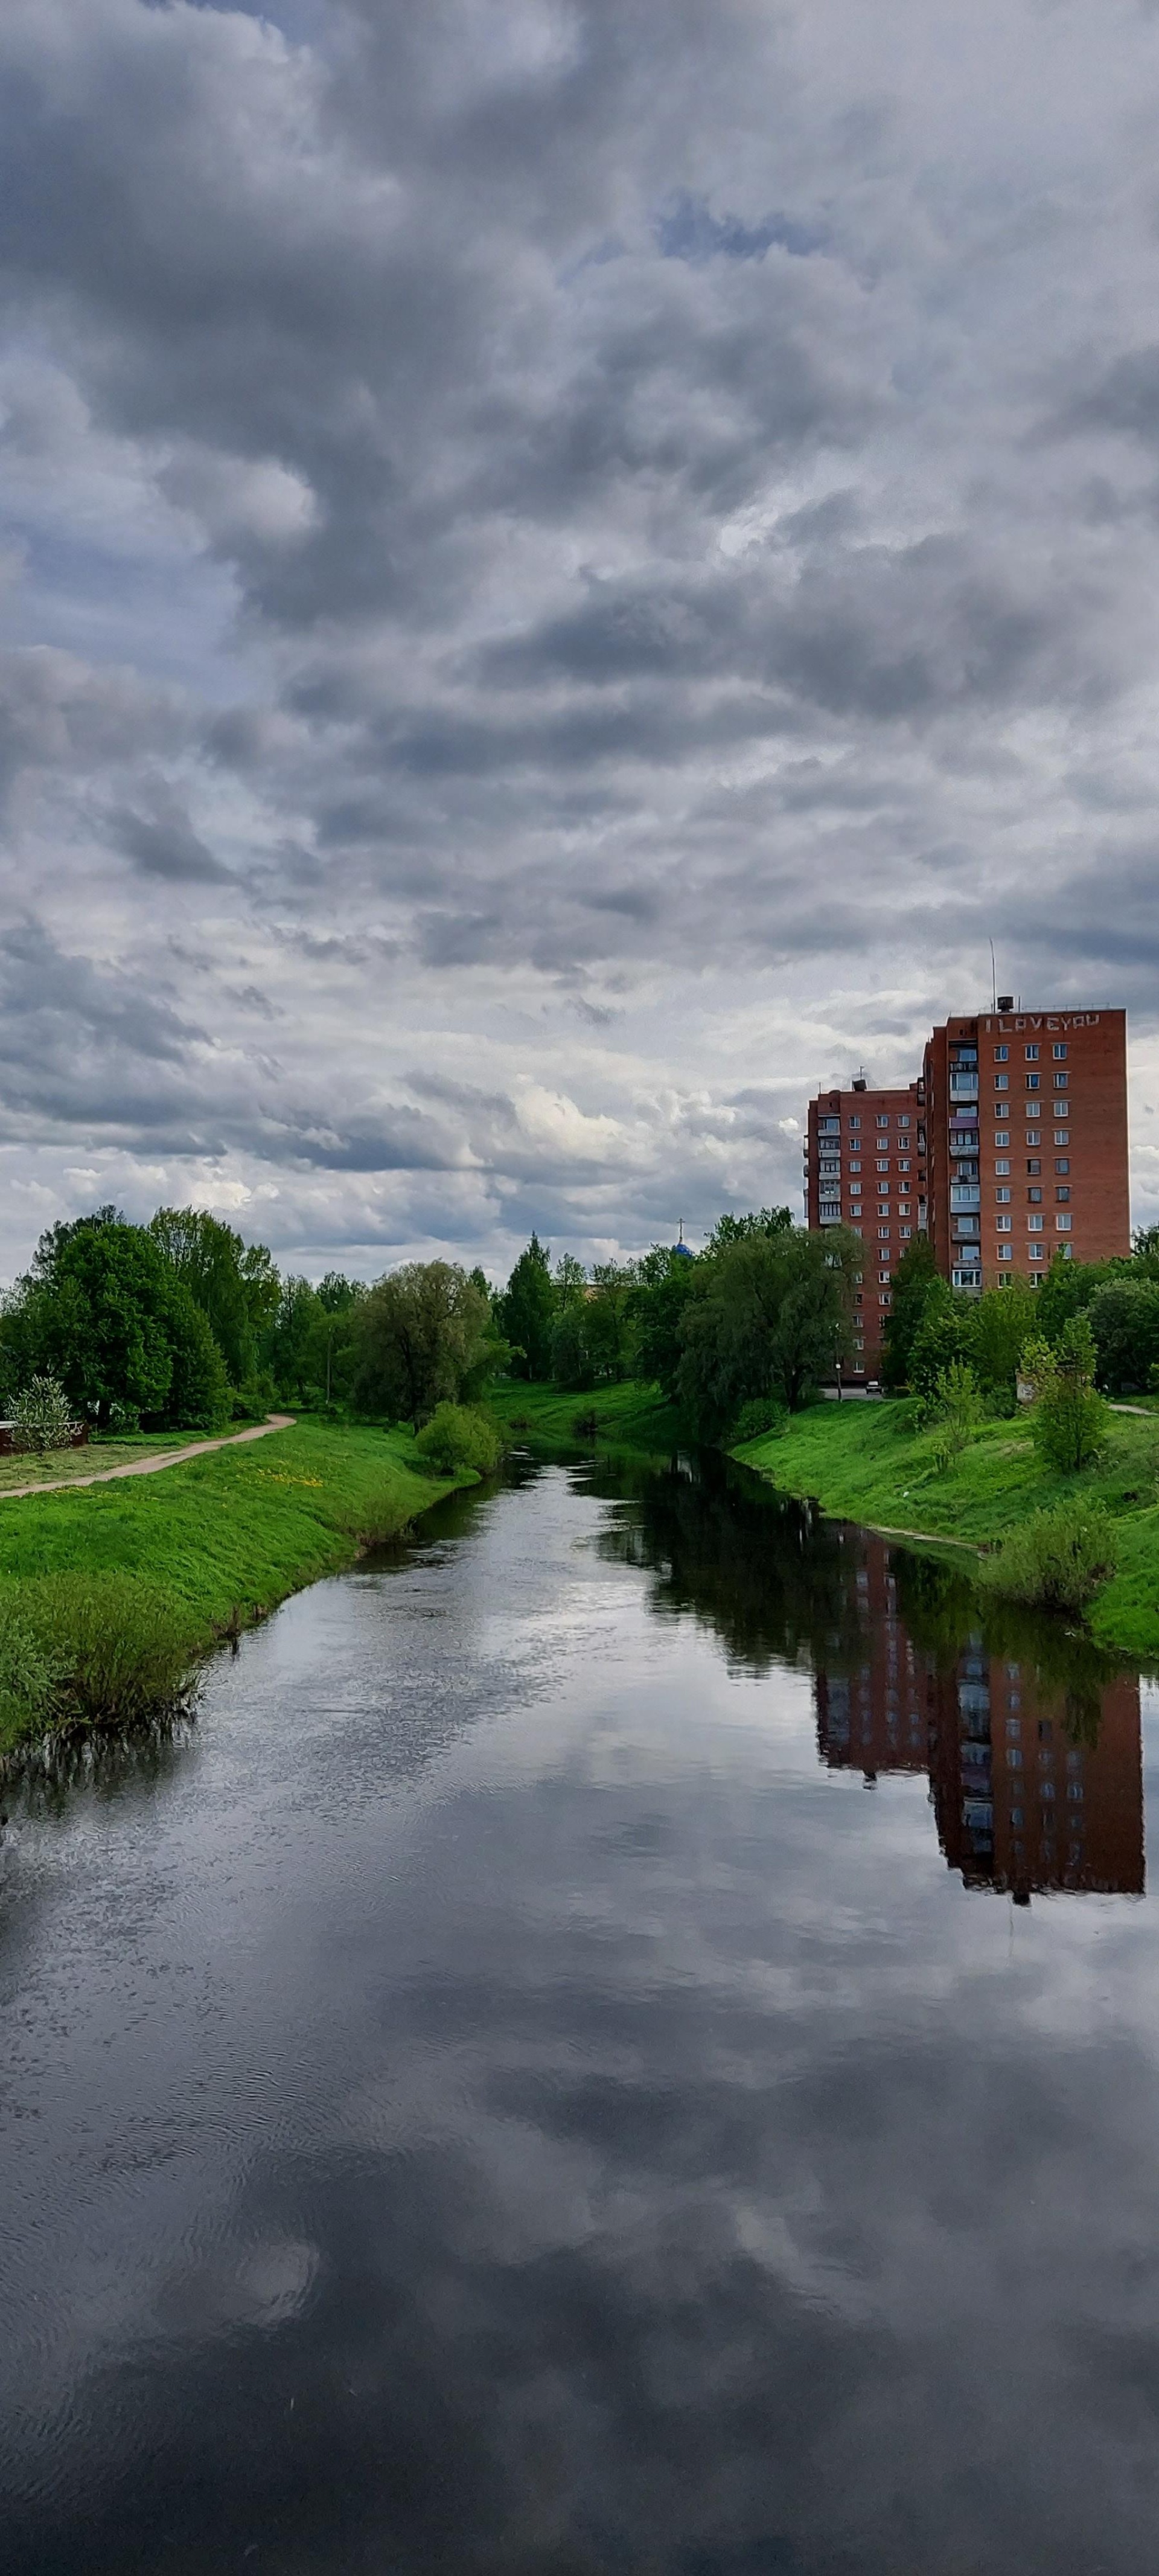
585	1425
1069	1422
1057	1560
957	1405
43	1415
459	1437
761	1415
118	1646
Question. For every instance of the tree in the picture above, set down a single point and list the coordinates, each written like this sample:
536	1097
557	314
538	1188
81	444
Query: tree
296	1342
233	1283
572	1362
769	1317
945	1334
1068	1421
199	1390
1124	1319
92	1313
664	1281
731	1229
913	1280
527	1311
103	1310
1066	1290
1004	1319
571	1281
424	1336
958	1407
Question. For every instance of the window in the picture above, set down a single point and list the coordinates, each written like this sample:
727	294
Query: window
1034	1136
1032	1082
1003	1224
1035	1255
1006	1283
1034	1225
855	1118
1001	1082
1014	1756
855	1167
883	1234
1002	1167
1062	1224
884	1167
903	1120
1006	1252
883	1118
1062	1162
1034	1165
1001	1136
906	1233
1034	1197
1032	1055
1001	1054
1061	1080
1003	1197
883	1185
903	1166
883	1278
1062	1194
1062	1135
1059	1051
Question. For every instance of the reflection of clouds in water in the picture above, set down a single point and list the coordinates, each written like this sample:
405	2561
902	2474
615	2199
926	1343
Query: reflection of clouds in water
263	2287
628	2136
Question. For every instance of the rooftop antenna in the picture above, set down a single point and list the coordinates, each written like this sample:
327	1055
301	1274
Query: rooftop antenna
993	976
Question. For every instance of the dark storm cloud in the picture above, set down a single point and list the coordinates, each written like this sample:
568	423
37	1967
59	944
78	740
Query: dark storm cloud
165	845
589	457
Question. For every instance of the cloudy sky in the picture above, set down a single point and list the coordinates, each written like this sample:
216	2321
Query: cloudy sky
566	565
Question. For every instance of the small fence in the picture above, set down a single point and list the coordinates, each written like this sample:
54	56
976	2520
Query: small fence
15	1443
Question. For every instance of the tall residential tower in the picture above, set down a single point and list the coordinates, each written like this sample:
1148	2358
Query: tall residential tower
1011	1147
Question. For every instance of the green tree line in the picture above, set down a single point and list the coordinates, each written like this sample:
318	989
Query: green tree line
181	1324
749	1327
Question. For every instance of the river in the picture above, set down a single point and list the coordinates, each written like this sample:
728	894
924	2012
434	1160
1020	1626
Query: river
624	2038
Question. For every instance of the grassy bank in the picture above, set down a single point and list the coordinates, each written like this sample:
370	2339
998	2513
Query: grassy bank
870	1462
628	1416
123	1587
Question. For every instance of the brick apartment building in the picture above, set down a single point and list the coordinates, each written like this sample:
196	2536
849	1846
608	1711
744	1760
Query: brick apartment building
1010	1147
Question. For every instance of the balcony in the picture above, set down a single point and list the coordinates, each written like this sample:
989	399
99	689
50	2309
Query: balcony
965	1194
964	1082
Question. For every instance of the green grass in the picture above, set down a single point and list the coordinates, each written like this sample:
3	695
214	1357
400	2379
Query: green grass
870	1462
628	1416
209	1547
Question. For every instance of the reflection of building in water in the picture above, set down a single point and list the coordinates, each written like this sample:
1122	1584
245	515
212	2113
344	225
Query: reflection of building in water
877	1718
1024	1799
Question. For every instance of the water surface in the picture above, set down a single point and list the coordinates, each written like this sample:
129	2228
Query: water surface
626	2038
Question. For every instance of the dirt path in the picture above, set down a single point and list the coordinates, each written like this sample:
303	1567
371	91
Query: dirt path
151	1466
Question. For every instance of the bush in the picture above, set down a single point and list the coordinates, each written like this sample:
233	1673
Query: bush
43	1415
759	1417
254	1399
1058	1560
1069	1423
459	1437
585	1425
957	1405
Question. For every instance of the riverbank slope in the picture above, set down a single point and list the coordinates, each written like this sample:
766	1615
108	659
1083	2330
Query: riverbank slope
145	1575
628	1416
872	1463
